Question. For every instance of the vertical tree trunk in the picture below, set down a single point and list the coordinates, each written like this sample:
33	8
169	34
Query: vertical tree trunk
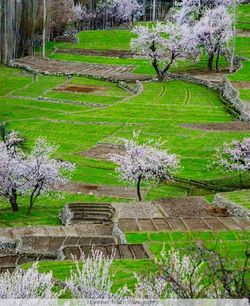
139	189
217	59
241	180
44	28
13	200
34	195
210	62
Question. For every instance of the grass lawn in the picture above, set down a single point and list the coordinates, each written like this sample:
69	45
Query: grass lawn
243	18
241	198
123	270
231	244
159	112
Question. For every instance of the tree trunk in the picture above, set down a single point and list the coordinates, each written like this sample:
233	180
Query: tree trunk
44	28
241	180
217	59
34	195
13	201
210	62
139	189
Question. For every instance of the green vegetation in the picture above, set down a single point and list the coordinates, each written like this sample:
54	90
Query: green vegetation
243	17
76	128
123	270
46	210
241	197
231	244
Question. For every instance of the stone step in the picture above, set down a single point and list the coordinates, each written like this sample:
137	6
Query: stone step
117	251
75	213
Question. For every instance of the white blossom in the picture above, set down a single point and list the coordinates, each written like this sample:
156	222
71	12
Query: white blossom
214	32
92	279
164	43
189	11
44	172
144	162
29	284
235	156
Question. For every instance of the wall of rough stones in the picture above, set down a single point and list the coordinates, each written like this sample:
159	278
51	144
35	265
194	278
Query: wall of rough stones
232	208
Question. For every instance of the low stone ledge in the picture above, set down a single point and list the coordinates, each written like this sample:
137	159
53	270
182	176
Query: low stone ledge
232	208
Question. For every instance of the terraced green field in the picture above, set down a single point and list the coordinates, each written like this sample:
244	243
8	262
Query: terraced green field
241	198
78	121
159	111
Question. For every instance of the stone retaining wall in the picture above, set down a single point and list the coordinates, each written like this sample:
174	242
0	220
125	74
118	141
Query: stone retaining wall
233	209
232	96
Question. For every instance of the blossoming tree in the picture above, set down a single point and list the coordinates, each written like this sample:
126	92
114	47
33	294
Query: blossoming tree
163	44
44	172
142	162
235	156
189	11
12	167
214	32
28	284
29	174
127	10
92	279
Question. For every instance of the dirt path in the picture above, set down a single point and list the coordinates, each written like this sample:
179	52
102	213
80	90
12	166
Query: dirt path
243	33
100	190
227	127
241	85
114	72
96	52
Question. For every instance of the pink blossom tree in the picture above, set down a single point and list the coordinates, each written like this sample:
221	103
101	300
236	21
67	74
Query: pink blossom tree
127	10
214	32
93	280
12	167
235	156
142	162
28	284
163	44
189	11
44	172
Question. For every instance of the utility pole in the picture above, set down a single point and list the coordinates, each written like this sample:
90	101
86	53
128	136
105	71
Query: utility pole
154	10
44	28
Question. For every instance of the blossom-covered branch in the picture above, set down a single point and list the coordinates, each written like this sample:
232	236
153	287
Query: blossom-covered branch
164	43
142	162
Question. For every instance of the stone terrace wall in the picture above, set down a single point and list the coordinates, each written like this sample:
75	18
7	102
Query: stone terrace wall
233	209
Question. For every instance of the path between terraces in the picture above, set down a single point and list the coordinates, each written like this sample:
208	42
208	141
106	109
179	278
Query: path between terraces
110	72
40	65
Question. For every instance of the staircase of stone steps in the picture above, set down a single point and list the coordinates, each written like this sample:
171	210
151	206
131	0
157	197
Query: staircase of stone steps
77	213
117	251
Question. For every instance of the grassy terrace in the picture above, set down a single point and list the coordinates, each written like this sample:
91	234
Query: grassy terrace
230	244
241	198
73	121
77	128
